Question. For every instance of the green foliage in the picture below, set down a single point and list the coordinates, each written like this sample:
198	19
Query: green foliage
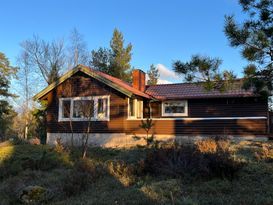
206	70
40	116
153	74
206	160
16	158
83	174
6	112
164	191
254	37
114	61
101	59
147	126
125	172
252	184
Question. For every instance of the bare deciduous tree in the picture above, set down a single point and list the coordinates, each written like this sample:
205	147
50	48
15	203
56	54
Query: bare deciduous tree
77	50
48	58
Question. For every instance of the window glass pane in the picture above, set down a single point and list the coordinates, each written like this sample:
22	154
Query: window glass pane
66	109
102	107
139	109
131	107
174	107
83	109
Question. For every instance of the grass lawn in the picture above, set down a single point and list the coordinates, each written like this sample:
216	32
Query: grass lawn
25	165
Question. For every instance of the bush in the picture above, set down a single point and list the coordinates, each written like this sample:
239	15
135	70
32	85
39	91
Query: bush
18	141
14	159
85	172
206	146
207	159
163	191
265	153
212	145
126	173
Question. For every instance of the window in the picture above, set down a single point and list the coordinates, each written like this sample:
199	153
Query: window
135	108
102	108
66	109
84	108
175	108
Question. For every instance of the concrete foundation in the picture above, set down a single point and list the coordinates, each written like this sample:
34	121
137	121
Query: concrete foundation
119	140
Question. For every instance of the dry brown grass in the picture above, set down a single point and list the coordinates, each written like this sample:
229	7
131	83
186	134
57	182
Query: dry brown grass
206	146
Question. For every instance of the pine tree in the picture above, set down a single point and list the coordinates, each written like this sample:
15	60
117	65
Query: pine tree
100	59
116	60
120	64
6	111
254	37
205	70
153	74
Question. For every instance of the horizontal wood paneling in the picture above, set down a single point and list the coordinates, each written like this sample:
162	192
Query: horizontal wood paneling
202	127
232	107
82	85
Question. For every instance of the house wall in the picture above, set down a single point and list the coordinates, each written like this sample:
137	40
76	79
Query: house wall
82	85
221	107
202	127
222	116
240	113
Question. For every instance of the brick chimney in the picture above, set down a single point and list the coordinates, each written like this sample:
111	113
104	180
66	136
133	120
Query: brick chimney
139	79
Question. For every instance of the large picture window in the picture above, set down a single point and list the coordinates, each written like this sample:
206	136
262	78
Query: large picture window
135	108
84	108
175	108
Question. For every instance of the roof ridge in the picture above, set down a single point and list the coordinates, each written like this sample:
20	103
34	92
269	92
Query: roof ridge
186	83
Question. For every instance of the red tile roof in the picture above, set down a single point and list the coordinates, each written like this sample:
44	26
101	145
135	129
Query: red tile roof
194	90
180	90
121	83
160	92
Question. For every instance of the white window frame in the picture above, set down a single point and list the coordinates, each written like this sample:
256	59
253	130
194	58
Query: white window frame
95	118
174	114
135	109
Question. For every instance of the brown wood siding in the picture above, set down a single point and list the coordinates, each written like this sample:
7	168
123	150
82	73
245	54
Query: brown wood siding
82	85
221	107
201	127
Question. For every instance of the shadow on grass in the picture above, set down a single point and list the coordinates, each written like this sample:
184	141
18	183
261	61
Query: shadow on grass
25	165
30	165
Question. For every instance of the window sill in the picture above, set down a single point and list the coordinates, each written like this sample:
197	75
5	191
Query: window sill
82	120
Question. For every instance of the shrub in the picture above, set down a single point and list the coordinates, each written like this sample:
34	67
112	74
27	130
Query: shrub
84	173
206	146
18	141
59	147
163	191
212	145
265	153
14	159
12	189
126	173
199	161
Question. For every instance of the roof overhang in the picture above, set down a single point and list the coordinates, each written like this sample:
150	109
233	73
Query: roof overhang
88	72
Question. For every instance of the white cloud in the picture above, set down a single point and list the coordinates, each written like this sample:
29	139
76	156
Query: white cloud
166	73
166	76
162	81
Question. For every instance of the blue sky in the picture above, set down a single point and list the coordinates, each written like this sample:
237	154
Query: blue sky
161	31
